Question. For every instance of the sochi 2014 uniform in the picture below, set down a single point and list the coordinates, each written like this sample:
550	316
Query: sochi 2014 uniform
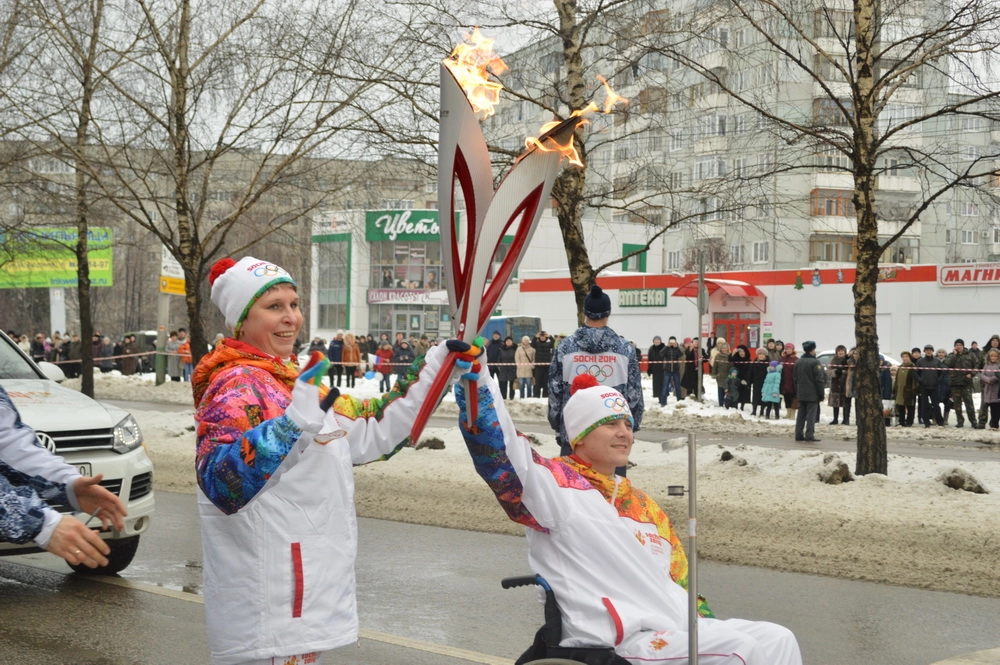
608	551
279	556
608	357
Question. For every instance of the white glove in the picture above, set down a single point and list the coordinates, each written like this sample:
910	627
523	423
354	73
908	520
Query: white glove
305	409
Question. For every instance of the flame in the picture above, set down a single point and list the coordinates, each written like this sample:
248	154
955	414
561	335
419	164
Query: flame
471	63
612	98
568	149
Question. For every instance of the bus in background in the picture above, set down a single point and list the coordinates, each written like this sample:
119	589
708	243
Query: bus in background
514	327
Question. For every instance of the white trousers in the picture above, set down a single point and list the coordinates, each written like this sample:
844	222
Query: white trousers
728	642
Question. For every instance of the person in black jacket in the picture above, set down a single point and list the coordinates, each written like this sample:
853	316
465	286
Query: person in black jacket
674	357
655	367
810	384
740	358
964	365
543	345
928	377
507	373
493	354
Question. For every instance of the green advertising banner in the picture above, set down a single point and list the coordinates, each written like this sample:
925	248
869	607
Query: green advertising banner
45	257
392	225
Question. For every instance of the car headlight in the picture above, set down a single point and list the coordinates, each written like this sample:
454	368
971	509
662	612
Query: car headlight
127	436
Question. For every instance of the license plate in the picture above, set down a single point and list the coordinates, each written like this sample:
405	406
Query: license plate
83	468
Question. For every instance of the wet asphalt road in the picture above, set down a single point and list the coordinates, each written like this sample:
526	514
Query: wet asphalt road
431	596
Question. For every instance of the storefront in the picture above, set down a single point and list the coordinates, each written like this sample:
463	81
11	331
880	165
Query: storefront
917	304
379	271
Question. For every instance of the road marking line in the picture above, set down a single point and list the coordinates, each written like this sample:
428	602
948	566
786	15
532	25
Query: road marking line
375	636
439	649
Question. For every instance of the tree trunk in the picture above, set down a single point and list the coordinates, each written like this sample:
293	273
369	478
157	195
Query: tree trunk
568	189
87	86
872	454
187	232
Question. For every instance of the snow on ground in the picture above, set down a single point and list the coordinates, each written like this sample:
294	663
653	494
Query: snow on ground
905	528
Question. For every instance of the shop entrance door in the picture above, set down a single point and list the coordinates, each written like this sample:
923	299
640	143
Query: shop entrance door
737	328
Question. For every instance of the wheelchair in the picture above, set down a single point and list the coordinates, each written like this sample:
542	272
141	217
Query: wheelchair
545	649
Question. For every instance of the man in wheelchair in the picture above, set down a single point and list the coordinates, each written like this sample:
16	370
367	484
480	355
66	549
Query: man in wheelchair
606	548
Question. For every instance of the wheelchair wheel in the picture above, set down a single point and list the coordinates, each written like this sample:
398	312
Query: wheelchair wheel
554	661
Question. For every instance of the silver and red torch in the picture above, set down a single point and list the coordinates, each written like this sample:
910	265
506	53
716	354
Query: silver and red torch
475	279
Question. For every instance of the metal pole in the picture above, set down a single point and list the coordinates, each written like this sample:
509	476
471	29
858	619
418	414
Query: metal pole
692	551
702	301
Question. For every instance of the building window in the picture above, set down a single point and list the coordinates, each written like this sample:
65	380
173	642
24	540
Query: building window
712	211
968	237
832	161
333	281
674	259
635	263
904	250
968	209
761	252
736	254
831	203
996	235
834	248
830	113
713	124
834	23
406	265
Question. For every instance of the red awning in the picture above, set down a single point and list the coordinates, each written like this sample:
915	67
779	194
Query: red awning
730	286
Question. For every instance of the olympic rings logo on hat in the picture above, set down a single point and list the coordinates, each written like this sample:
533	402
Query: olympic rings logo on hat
599	372
269	270
616	404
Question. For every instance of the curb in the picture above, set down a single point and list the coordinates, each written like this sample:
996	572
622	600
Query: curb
974	658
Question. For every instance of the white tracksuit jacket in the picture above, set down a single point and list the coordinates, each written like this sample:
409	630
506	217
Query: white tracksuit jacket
279	572
609	565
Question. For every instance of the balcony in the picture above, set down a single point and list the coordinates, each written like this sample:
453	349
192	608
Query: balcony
835	180
898	183
706	230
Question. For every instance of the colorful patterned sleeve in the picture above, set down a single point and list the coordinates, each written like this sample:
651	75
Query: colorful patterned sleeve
486	442
243	437
378	428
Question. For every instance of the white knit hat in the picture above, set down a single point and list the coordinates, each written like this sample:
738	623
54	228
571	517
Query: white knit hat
236	285
591	405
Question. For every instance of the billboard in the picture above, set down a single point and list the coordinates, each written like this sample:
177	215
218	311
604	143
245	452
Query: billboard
45	257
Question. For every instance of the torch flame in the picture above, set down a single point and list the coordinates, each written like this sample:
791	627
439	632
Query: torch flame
471	64
568	149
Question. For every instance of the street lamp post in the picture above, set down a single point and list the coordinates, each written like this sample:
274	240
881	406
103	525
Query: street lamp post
702	310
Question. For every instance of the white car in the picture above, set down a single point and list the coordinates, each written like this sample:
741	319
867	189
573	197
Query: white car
94	437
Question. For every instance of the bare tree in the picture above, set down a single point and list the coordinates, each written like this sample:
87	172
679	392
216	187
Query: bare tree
894	82
226	114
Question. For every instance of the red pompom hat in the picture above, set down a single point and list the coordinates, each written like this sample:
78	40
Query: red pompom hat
237	284
591	405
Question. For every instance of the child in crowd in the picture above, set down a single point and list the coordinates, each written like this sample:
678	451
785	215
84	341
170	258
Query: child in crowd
732	389
771	393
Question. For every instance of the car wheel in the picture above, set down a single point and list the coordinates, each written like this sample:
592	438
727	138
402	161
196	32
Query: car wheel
121	555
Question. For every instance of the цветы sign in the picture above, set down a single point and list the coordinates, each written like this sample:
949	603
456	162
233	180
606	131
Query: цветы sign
392	225
970	274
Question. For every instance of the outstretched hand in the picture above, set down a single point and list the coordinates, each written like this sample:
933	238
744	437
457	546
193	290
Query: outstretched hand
78	544
92	497
305	410
470	357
